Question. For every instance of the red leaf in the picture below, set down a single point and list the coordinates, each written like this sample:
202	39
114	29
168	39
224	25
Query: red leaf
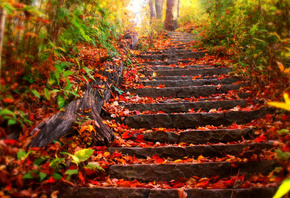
10	142
123	183
286	148
116	154
140	139
284	117
95	183
261	138
81	177
51	180
126	135
8	100
157	159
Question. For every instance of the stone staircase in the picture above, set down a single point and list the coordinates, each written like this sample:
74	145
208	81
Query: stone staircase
196	96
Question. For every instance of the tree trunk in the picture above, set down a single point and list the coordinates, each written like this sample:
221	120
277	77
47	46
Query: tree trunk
89	106
171	15
2	30
159	8
178	9
152	10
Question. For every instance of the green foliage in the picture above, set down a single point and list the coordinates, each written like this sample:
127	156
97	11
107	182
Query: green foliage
255	33
13	118
41	38
283	189
283	156
81	155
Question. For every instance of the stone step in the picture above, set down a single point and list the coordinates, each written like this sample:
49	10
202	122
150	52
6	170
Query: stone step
166	51
183	55
183	77
185	106
177	67
192	136
191	82
168	172
177	152
192	120
141	192
168	62
193	72
186	92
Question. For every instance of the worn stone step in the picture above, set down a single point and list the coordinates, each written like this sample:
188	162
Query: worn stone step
166	51
193	72
185	106
196	82
183	77
186	92
176	67
177	152
119	192
183	55
168	172
169	62
179	34
192	120
192	136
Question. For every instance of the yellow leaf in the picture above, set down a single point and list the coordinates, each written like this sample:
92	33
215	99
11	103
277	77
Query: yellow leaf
287	71
89	128
281	105
281	66
83	129
286	98
107	154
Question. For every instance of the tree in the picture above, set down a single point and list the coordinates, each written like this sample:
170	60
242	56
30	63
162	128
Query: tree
152	10
2	25
171	15
159	8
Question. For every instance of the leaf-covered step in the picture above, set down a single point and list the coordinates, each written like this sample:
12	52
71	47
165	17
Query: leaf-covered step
177	152
198	136
196	82
168	172
186	106
186	92
184	55
193	72
133	192
176	67
192	120
168	62
166	51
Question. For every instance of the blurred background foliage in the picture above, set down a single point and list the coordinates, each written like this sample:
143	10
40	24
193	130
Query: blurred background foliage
39	30
253	33
41	50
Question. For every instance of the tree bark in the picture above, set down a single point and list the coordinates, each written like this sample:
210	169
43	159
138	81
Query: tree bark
90	106
152	10
178	9
171	15
159	8
2	30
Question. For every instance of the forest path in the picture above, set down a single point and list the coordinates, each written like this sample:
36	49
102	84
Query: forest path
195	117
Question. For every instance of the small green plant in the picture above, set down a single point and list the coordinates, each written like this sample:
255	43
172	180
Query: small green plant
15	118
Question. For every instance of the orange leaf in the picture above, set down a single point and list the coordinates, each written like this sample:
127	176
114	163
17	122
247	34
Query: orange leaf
126	135
8	100
181	193
30	34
